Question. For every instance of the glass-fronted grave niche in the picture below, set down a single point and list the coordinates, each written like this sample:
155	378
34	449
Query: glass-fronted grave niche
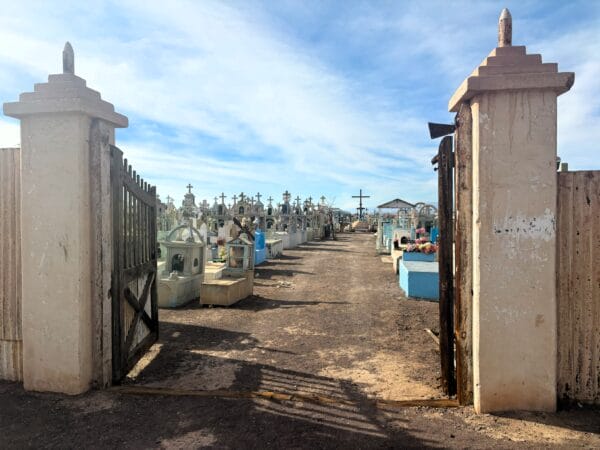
184	251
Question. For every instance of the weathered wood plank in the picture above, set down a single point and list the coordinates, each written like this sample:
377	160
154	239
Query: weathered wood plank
10	266
578	286
463	299
446	264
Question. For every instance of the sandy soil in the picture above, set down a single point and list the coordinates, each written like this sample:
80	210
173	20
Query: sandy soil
328	323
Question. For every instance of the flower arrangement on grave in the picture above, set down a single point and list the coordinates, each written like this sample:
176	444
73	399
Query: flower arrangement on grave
421	230
426	247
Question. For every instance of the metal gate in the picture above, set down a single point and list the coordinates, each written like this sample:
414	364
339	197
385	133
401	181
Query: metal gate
134	292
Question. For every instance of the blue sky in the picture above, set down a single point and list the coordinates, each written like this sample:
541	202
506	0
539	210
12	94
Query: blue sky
315	97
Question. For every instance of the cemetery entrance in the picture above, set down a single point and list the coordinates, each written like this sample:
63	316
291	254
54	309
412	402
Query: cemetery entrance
134	290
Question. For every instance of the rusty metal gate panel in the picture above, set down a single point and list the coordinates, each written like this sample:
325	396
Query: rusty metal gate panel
134	288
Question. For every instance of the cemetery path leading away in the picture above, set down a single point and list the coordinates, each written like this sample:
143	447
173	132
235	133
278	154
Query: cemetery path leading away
325	317
315	359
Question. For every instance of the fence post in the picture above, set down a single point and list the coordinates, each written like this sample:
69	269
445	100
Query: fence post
58	239
513	102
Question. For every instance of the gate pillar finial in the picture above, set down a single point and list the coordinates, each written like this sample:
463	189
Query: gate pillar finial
68	59
505	29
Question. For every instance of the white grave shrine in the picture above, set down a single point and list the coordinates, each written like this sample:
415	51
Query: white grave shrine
183	272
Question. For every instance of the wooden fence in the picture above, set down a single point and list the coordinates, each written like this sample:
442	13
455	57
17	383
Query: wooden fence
11	347
578	286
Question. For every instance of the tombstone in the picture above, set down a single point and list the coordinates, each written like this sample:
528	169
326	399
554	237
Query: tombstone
260	251
237	280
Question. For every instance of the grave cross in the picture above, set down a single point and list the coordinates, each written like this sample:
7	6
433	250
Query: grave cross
310	200
251	201
258	196
189	186
170	199
242	197
270	199
360	208
286	196
216	198
322	199
298	200
234	200
223	197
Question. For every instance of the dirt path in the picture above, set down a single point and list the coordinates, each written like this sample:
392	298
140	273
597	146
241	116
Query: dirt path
328	325
326	314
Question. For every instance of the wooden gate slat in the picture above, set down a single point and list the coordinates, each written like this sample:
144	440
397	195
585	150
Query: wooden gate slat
463	299
446	285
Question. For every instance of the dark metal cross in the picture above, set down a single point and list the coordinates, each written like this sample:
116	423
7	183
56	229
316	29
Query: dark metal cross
242	197
223	197
298	200
189	186
234	199
286	196
258	196
270	199
360	208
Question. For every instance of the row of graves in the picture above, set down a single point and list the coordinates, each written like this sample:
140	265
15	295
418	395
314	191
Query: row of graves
408	233
209	252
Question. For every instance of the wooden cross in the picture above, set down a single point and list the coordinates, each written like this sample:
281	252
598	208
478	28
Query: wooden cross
223	197
189	186
360	207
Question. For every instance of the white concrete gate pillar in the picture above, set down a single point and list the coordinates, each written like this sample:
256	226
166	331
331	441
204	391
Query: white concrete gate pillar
58	226
513	103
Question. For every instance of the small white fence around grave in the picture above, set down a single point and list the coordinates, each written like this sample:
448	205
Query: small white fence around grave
11	343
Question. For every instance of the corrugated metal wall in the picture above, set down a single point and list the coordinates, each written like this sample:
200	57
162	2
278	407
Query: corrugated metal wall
11	348
578	286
